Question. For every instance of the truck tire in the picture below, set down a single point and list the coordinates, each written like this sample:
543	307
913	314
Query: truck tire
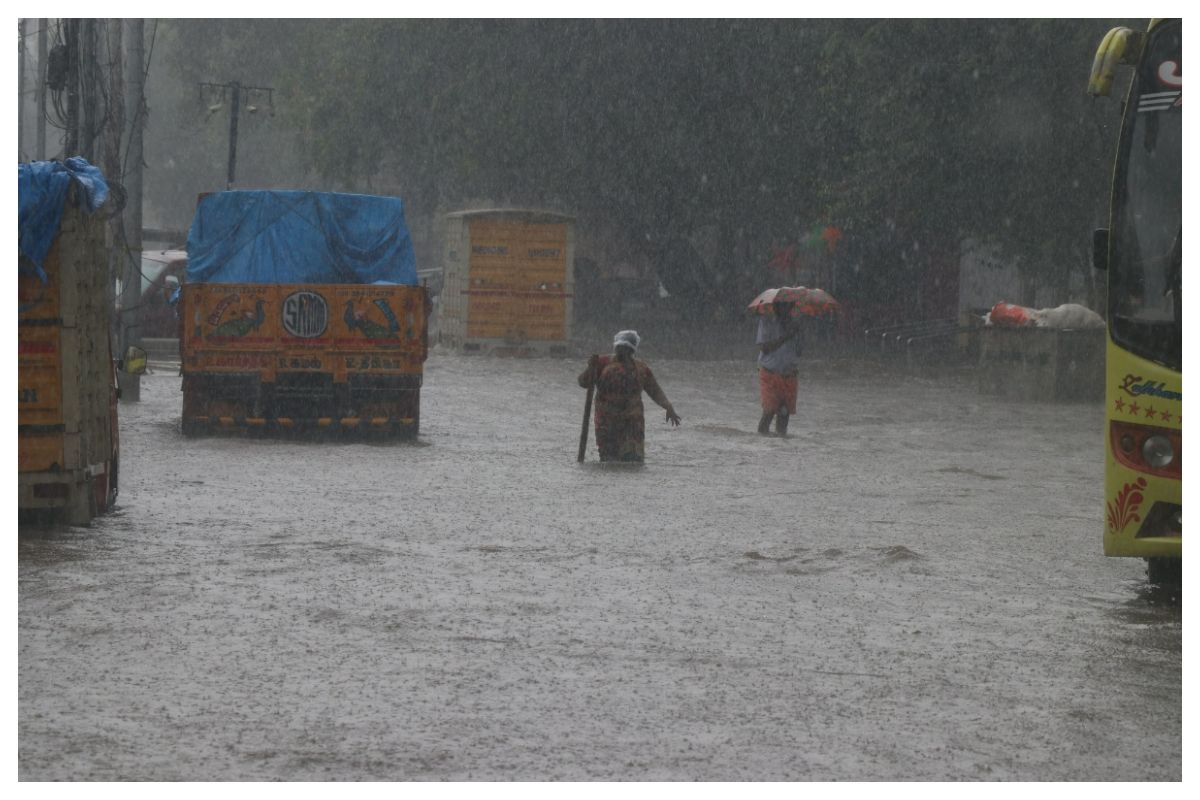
112	486
81	504
415	412
1168	571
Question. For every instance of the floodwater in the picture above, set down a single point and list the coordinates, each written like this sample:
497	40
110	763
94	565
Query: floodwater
910	587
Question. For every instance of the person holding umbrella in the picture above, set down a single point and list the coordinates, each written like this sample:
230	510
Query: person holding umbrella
779	349
618	381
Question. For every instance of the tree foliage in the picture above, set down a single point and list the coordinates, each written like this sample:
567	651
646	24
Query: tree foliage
911	135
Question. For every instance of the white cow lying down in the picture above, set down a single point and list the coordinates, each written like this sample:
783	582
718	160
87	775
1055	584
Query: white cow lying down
1068	315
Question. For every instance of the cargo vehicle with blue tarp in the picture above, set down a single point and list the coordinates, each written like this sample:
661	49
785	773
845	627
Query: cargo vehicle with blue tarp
301	310
67	434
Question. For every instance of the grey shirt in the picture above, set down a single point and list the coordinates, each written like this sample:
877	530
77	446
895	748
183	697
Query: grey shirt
787	356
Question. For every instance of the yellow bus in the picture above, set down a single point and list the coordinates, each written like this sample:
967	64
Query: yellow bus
1141	252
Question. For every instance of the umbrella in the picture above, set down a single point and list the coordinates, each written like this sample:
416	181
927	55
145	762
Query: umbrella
803	300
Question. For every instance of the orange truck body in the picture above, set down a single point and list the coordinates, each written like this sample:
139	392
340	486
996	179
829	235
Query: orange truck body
337	357
508	282
67	435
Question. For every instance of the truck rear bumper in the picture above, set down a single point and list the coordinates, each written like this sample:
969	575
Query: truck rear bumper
301	401
347	424
78	494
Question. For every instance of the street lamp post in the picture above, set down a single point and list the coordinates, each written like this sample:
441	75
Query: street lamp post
235	89
235	103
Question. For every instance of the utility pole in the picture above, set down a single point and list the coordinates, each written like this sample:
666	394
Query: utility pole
71	43
131	289
81	88
21	89
41	90
235	89
114	121
110	153
87	89
111	138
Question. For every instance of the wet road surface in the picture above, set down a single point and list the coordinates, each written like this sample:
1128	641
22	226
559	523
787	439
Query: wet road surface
910	587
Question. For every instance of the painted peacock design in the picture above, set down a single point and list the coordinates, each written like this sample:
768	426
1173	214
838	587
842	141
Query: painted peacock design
369	328
245	323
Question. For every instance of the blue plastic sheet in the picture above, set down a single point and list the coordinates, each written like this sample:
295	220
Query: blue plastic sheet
300	237
41	192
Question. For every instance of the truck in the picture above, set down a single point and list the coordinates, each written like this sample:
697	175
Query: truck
508	282
68	442
301	311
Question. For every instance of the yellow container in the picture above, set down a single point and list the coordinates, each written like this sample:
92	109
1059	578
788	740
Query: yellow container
508	281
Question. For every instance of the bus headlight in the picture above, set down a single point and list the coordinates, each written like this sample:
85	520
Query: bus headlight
1157	451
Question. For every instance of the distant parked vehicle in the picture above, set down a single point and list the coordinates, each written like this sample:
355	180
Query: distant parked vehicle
162	272
509	276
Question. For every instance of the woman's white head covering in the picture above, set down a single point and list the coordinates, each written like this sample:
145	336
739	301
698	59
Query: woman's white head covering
628	339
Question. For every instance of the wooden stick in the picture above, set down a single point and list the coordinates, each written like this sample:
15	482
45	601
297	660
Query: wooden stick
587	412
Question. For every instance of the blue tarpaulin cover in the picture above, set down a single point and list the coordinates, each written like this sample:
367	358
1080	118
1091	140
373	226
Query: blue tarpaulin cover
41	193
264	236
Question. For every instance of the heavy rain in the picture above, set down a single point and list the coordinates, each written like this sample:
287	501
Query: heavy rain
895	573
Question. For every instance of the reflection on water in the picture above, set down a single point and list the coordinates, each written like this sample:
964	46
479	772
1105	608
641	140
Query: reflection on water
1153	604
1162	598
613	466
47	545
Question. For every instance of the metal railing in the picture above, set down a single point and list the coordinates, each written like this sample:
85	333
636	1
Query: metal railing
916	339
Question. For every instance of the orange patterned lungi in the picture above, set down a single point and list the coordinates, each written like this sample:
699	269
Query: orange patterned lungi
777	390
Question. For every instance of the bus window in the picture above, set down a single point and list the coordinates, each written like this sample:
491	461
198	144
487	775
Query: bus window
1144	282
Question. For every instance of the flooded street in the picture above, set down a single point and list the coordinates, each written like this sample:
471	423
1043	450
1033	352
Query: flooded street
910	587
